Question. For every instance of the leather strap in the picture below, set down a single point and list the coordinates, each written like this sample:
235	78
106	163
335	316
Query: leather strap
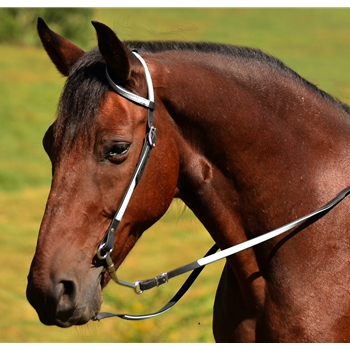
106	245
188	283
144	102
211	257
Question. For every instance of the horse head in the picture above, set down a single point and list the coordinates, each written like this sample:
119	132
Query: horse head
94	146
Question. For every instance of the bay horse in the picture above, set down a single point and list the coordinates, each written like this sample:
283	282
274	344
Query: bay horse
244	141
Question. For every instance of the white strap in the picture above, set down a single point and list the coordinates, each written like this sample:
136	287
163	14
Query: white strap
148	103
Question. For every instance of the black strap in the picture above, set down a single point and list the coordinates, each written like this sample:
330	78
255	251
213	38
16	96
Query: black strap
198	265
106	244
188	283
108	240
166	276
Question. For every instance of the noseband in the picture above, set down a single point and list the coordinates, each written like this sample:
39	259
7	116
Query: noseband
106	246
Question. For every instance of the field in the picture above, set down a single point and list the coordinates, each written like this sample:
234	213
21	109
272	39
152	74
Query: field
313	42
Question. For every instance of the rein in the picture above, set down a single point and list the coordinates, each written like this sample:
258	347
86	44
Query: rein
106	246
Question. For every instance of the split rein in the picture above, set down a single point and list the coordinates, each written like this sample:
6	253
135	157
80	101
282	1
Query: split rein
106	246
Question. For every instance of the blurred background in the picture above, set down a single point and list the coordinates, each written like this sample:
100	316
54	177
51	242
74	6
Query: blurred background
312	41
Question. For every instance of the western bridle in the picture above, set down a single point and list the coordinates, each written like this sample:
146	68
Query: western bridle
106	246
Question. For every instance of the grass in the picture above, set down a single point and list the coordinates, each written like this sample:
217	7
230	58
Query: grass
29	91
311	41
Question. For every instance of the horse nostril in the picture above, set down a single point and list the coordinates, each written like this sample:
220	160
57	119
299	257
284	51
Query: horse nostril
69	288
66	296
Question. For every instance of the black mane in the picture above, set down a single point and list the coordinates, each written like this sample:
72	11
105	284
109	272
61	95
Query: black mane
87	84
84	89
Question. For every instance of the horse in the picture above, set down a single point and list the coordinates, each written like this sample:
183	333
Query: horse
244	141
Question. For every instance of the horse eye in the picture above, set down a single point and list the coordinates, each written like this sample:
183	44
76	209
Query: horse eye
116	151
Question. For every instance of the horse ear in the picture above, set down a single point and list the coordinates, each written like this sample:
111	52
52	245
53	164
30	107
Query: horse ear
62	52
118	57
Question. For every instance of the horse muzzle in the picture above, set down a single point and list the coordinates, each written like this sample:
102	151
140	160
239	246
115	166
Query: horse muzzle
65	301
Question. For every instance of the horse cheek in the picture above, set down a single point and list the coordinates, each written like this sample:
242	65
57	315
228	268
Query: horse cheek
158	183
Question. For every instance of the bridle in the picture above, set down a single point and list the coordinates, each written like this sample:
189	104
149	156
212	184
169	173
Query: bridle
106	246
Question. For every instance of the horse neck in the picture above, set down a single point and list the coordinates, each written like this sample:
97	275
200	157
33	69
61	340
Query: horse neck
249	128
253	141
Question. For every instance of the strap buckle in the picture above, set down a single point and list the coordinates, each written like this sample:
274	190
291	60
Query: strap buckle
151	137
161	279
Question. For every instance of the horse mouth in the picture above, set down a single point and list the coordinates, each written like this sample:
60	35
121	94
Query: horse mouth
78	318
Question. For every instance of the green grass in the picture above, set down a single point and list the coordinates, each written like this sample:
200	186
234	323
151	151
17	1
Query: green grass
29	91
314	42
